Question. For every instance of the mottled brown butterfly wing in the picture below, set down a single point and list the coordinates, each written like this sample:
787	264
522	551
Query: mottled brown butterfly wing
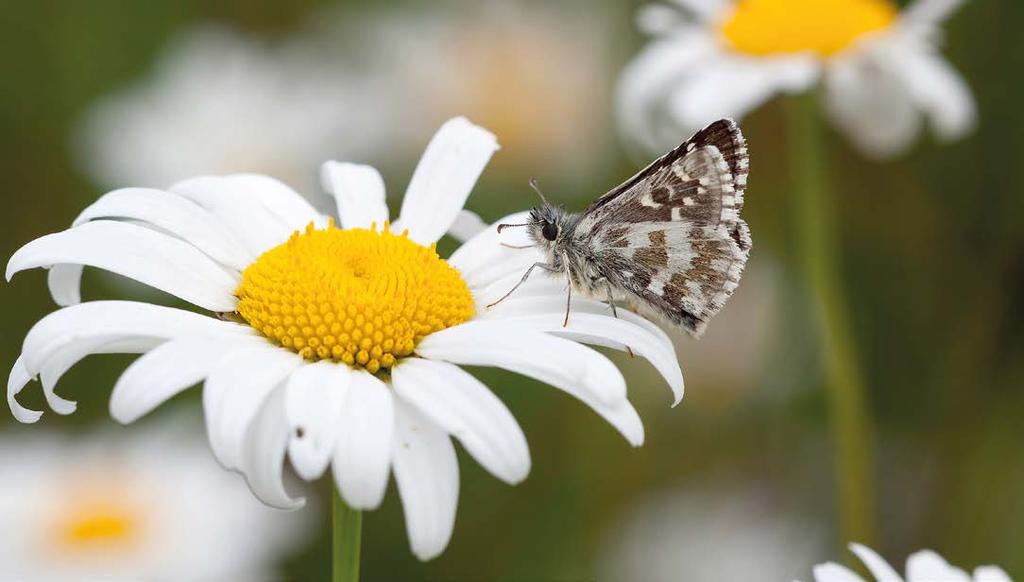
670	238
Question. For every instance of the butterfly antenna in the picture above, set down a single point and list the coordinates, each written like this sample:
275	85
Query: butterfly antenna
502	227
536	188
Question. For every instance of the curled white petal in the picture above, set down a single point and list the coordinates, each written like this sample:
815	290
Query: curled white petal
234	392
139	253
591	322
174	214
484	259
65	284
129	319
926	565
832	572
878	567
16	381
362	453
250	222
566	365
444	177
166	370
314	396
358	192
64	359
427	474
469	411
262	457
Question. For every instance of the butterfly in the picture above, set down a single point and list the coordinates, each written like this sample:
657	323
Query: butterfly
669	241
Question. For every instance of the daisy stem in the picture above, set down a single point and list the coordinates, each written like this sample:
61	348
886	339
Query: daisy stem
346	539
817	239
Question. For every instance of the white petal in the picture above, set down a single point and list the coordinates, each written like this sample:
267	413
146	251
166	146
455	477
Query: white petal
234	391
163	372
483	260
362	453
359	193
65	283
128	319
878	567
870	105
467	225
927	566
251	223
444	177
427	473
463	406
591	322
647	81
281	201
939	90
832	572
262	458
62	360
540	284
139	253
566	365
17	380
706	10
314	397
175	214
929	12
990	574
735	86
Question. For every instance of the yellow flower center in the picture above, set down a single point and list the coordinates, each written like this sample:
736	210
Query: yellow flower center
97	521
825	27
357	296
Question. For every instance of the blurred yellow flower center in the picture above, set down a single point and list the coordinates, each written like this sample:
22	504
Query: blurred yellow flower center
825	27
97	523
357	296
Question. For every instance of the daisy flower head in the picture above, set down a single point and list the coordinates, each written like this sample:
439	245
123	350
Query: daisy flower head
923	566
104	506
880	67
331	343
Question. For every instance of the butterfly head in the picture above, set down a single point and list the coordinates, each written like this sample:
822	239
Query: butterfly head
546	226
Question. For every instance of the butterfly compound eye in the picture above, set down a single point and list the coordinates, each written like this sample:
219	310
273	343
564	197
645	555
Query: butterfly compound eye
550	231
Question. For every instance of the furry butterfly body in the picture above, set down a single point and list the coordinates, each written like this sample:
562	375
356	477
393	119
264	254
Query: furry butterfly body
669	241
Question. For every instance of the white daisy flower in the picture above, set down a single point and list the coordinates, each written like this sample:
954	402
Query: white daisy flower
153	506
923	566
707	534
220	102
880	67
335	346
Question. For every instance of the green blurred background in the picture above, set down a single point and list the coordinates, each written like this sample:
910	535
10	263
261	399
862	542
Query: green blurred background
933	250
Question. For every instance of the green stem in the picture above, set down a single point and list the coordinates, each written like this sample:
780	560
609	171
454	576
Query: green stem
816	227
346	539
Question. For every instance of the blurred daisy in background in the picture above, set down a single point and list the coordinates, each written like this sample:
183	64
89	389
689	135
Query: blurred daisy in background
923	566
880	67
537	74
335	346
220	102
706	535
152	506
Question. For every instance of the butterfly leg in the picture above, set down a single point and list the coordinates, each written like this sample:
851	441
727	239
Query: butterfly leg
611	303
526	275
